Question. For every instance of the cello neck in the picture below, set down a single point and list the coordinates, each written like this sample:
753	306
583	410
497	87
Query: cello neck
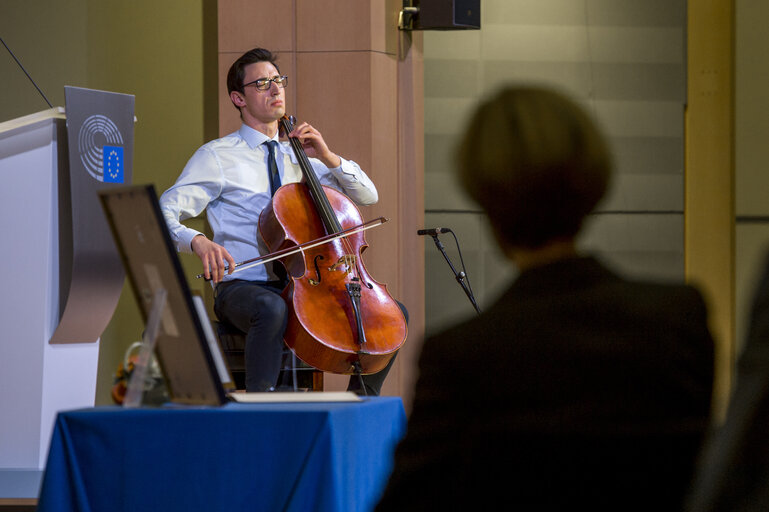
325	210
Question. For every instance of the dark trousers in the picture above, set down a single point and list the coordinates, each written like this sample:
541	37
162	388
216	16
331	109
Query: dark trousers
257	309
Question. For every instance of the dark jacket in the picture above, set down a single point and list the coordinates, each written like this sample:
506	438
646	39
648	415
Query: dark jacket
733	474
577	387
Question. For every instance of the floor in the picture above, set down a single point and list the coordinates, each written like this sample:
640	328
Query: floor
18	505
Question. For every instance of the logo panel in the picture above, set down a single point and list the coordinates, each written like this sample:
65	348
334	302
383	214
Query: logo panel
100	147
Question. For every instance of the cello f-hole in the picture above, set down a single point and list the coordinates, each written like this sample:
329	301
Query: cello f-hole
317	270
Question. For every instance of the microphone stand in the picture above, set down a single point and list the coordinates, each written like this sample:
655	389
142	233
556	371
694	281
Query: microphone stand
459	276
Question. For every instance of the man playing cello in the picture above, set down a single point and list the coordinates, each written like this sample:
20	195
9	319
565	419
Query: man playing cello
230	178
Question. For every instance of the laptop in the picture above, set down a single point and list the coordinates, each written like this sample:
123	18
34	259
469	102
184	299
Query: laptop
186	348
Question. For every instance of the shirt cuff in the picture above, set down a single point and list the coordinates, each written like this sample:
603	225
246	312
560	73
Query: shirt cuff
346	169
184	244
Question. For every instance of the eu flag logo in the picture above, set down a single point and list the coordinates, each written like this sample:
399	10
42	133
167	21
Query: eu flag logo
113	164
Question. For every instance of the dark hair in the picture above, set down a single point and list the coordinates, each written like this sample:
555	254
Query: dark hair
536	163
238	69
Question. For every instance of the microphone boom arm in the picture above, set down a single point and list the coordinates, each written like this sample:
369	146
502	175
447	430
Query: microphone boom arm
459	276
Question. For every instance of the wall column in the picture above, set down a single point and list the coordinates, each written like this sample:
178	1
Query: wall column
709	212
348	78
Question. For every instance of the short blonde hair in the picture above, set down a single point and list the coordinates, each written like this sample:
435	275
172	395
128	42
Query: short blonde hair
536	163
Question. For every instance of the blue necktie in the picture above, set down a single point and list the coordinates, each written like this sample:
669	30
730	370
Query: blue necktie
272	166
277	269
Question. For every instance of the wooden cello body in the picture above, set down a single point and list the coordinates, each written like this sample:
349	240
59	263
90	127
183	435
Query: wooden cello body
340	319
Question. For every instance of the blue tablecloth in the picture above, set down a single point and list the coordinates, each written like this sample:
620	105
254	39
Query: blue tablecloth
270	457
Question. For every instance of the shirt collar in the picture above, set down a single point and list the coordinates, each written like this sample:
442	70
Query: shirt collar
253	137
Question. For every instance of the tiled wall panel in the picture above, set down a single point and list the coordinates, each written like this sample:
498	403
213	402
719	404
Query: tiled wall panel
625	62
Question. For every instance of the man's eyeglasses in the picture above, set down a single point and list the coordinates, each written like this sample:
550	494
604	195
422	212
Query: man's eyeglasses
264	84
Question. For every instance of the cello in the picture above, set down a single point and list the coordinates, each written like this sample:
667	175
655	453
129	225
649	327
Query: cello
340	320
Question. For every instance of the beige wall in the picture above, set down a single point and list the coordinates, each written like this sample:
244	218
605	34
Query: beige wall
636	66
54	53
751	129
622	60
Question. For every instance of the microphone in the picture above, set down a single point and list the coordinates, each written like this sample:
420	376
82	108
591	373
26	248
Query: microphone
433	231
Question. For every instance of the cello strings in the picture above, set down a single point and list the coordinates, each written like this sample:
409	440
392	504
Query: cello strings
321	200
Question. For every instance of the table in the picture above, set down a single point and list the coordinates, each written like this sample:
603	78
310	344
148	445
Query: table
270	457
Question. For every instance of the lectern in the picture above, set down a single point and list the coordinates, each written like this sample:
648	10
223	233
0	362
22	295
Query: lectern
62	274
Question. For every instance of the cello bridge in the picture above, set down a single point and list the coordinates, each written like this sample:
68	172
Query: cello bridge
347	261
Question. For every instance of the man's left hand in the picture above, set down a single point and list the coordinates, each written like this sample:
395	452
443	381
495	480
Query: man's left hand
314	145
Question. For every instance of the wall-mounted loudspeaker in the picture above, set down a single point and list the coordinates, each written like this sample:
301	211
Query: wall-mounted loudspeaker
445	14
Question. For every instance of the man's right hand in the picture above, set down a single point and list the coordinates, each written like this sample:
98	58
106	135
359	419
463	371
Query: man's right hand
213	257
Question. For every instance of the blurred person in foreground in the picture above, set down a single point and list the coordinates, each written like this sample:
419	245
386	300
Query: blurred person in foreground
733	468
578	386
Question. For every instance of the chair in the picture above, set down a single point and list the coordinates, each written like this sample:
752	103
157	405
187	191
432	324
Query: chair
295	374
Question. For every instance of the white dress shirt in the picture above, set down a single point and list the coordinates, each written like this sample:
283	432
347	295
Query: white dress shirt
228	178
